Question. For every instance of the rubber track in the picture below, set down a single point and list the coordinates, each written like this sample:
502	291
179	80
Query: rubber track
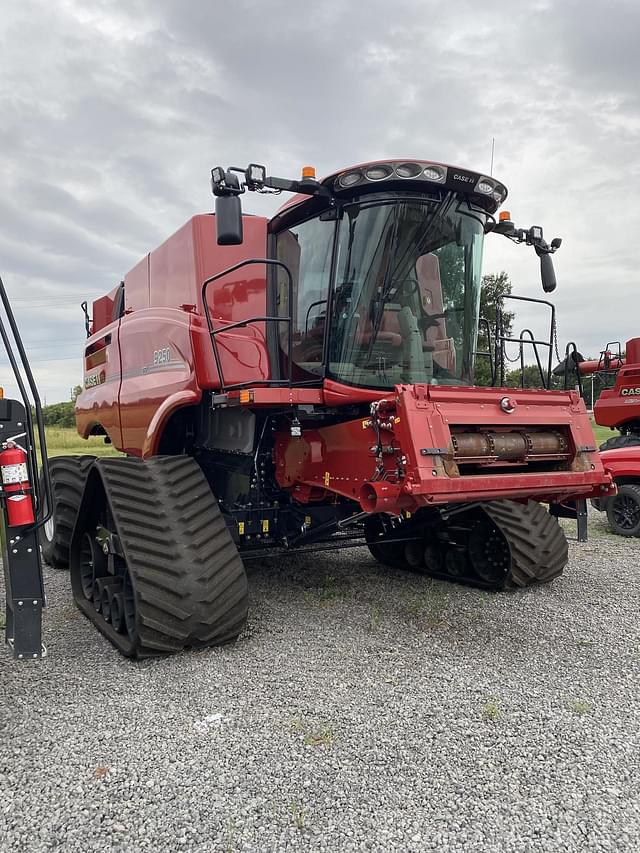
539	549
68	477
189	581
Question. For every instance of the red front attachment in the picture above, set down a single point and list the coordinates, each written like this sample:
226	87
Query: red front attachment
15	482
432	445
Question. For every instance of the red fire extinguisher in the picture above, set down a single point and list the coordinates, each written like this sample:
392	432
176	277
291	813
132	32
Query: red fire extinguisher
16	485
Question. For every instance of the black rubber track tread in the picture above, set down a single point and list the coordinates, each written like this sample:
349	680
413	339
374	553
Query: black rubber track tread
68	476
189	580
620	441
539	549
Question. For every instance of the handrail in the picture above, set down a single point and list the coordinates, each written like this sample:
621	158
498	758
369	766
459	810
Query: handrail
32	461
501	339
242	323
534	344
571	349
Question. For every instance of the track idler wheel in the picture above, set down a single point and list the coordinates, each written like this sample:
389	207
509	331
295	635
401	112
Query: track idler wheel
152	562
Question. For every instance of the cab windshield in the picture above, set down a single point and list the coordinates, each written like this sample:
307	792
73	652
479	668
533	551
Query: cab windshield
392	297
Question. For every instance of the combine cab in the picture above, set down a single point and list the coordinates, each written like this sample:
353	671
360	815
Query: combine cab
306	382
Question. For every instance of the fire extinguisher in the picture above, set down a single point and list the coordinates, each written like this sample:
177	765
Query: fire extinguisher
16	485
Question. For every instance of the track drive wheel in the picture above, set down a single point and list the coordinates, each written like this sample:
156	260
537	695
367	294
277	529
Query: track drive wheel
174	578
623	510
68	476
539	550
617	441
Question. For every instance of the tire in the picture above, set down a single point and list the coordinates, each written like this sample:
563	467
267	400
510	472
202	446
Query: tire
68	476
623	510
183	581
620	441
539	549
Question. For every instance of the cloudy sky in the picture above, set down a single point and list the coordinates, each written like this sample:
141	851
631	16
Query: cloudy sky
113	114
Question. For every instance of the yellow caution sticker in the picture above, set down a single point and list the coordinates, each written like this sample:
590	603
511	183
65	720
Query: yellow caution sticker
327	478
265	525
307	521
366	424
396	420
241	528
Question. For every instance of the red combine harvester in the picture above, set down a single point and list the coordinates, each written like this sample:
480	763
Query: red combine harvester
305	382
618	407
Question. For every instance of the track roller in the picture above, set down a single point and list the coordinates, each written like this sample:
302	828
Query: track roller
68	476
165	574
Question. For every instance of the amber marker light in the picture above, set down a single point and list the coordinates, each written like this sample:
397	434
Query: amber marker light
505	216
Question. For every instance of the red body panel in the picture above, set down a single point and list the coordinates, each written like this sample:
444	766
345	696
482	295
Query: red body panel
623	463
167	357
619	406
102	314
420	419
98	404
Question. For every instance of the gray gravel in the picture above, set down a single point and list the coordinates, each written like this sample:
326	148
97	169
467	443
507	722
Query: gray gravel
362	710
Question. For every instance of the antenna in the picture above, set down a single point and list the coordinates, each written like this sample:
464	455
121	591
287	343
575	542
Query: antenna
493	148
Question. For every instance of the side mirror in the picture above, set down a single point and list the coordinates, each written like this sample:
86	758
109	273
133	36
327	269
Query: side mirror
229	220
547	273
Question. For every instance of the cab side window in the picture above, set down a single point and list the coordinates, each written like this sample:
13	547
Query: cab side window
306	249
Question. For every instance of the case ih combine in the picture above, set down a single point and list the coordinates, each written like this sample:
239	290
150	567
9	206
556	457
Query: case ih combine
618	407
305	382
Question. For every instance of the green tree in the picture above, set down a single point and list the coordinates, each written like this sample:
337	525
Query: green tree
531	374
495	287
61	414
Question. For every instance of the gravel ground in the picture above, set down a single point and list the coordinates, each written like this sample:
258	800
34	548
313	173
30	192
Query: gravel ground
361	710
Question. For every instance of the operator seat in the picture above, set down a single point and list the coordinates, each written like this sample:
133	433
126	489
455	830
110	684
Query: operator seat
430	286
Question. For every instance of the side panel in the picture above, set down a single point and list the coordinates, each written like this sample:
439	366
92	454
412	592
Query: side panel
624	462
237	296
98	402
158	375
621	404
136	286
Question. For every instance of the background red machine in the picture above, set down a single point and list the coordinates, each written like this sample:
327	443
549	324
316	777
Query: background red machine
618	407
307	382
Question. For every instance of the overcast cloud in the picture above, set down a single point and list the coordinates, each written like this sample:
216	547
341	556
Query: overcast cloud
113	114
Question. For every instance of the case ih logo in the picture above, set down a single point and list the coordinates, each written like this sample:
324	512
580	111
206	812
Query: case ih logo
626	392
94	379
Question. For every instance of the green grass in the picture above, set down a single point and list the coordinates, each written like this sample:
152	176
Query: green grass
66	442
602	433
491	711
580	707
